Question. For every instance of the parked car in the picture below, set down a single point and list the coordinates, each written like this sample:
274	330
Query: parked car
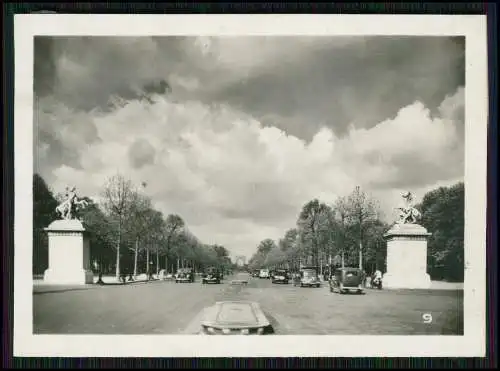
264	273
164	275
309	277
347	280
280	276
184	275
235	318
211	275
255	273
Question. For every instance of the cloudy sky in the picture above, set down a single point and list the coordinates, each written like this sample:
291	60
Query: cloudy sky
236	134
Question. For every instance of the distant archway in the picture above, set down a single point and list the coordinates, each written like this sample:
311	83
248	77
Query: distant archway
241	261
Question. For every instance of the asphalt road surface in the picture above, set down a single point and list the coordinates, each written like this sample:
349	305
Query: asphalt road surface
162	307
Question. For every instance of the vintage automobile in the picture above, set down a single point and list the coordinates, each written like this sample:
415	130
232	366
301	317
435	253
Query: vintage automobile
235	318
211	275
255	273
347	280
280	276
309	277
264	273
184	275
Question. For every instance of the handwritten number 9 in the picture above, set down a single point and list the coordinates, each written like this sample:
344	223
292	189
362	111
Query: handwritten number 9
427	317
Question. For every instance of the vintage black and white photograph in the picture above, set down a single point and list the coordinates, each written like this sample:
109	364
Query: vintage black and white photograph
265	185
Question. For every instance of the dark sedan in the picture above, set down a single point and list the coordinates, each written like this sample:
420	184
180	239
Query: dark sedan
280	276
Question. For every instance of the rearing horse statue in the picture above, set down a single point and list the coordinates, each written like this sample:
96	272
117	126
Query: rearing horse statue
408	213
67	208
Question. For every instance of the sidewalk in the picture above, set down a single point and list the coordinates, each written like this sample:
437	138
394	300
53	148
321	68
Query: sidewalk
40	286
435	285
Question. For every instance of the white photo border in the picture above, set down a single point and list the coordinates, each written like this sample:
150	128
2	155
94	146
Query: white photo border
471	344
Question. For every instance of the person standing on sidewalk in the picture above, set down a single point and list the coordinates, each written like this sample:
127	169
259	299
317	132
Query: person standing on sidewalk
150	271
98	270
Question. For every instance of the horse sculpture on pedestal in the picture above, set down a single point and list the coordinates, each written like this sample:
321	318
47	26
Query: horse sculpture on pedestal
408	214
67	209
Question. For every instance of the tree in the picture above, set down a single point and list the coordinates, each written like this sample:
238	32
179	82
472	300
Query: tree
138	226
289	240
291	246
309	223
174	225
265	246
362	211
44	204
375	245
341	213
205	256
186	247
443	215
118	198
275	257
157	235
100	231
257	260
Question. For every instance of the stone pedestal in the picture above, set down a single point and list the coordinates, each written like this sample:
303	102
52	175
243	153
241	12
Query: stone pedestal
407	257
69	254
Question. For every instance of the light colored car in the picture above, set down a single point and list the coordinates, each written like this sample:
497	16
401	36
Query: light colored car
184	275
264	273
235	318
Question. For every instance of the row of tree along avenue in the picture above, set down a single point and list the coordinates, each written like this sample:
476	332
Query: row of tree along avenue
350	232
126	233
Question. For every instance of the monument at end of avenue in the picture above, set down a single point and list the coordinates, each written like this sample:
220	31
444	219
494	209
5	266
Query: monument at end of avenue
407	250
69	250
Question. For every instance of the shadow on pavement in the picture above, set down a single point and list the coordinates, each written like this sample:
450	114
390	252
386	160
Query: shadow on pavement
52	290
35	292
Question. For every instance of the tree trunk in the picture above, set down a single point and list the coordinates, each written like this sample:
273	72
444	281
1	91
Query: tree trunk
157	260
343	259
166	263
147	260
360	255
117	268
136	252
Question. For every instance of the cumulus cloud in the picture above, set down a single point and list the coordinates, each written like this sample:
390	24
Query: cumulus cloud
141	153
234	176
226	174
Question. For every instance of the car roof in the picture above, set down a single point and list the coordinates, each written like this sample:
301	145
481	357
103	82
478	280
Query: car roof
235	314
348	269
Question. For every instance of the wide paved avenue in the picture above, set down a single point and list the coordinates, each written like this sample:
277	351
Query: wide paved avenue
162	307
